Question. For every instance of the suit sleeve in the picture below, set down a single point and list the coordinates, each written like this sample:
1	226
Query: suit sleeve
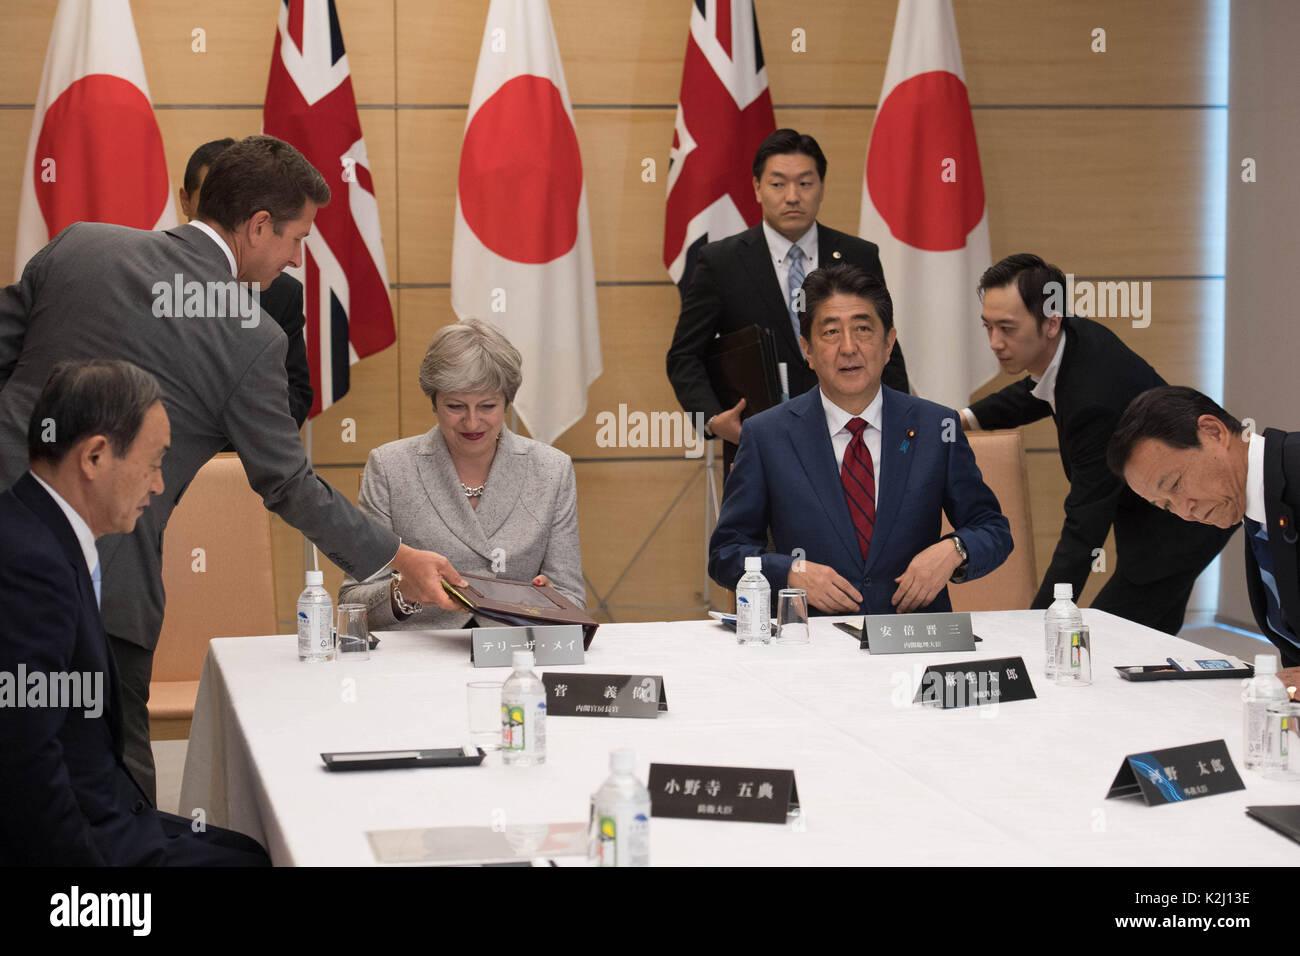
15	308
1012	407
696	326
742	526
301	394
257	420
375	502
42	822
974	512
1089	507
563	561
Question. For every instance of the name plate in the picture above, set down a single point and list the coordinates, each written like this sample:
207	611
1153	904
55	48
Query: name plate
972	683
604	695
917	633
1177	774
747	794
550	644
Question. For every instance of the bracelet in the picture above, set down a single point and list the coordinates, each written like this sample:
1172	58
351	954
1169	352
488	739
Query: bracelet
405	607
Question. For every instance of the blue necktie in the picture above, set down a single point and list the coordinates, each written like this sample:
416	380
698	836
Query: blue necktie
96	580
1258	537
794	282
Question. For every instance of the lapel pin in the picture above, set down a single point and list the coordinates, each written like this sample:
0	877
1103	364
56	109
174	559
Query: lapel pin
836	254
911	433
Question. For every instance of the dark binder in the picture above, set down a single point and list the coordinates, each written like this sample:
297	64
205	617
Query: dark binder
520	603
1283	819
742	364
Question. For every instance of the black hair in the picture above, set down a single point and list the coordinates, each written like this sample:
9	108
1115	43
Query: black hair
1168	414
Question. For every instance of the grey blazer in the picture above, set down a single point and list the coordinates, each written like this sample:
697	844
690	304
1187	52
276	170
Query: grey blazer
90	293
526	523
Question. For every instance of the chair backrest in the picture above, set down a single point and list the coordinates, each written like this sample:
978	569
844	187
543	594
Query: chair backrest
216	568
1001	459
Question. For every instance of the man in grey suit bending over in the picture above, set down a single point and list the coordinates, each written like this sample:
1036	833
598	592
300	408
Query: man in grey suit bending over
166	302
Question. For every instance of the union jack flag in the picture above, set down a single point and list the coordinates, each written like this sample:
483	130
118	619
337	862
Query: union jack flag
724	112
310	103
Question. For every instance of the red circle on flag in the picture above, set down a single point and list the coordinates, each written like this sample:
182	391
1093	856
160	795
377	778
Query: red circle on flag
923	167
521	174
108	162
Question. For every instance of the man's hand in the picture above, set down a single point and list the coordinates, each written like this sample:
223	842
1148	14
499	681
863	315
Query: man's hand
926	576
1289	676
422	573
726	425
827	591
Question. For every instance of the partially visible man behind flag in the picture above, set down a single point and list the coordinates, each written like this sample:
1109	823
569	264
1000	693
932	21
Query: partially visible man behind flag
95	153
724	112
310	104
521	254
924	204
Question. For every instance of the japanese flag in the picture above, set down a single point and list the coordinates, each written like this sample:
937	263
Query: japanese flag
923	203
521	254
95	153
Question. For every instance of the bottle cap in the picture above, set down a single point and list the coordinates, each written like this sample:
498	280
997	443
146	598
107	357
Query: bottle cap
622	760
1265	664
753	564
315	579
522	660
1063	591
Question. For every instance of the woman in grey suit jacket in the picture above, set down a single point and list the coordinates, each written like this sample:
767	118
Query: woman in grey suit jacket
492	501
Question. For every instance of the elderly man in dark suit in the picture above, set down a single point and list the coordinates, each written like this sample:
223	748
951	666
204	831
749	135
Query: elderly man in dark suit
175	303
856	476
1184	454
754	278
1083	376
97	440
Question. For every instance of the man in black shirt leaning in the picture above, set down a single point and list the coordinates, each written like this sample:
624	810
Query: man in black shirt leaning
1082	375
751	279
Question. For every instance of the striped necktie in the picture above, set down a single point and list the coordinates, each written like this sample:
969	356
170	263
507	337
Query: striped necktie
794	282
858	476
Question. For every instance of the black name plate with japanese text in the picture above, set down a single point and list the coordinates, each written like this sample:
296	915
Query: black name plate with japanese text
748	794
604	695
972	683
917	633
550	643
1177	774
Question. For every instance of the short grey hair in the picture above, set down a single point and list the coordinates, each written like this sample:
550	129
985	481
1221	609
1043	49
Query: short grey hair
86	397
471	356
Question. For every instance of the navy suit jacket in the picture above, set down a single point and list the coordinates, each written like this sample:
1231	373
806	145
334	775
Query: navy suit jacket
785	479
1282	507
68	798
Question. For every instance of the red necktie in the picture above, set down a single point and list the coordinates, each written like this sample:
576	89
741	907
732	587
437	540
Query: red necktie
859	478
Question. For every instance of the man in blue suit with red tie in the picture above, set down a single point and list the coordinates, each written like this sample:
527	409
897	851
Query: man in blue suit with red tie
851	477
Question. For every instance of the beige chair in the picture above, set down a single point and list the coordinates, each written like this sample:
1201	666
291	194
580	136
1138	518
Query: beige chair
1001	459
233	594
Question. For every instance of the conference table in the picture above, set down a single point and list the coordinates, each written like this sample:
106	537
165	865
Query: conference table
880	780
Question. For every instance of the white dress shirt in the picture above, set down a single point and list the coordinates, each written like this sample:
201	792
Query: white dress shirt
779	246
85	537
837	420
1255	510
216	237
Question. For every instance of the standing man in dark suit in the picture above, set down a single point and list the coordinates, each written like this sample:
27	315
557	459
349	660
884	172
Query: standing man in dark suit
810	472
177	304
282	301
1187	456
752	279
96	441
1082	375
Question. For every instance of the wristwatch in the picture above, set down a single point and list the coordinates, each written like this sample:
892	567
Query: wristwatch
708	427
406	608
959	575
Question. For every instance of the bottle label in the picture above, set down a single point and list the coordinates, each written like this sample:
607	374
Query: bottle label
315	634
607	842
523	725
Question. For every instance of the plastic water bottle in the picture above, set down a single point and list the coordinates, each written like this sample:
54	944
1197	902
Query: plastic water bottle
620	815
315	620
753	605
1061	613
1260	691
523	714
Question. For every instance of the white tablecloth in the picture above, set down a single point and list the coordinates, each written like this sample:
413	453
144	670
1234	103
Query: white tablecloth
880	781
